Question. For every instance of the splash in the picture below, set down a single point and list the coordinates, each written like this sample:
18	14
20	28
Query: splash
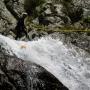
70	64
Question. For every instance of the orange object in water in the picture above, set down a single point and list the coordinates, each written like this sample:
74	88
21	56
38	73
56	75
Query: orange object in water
23	46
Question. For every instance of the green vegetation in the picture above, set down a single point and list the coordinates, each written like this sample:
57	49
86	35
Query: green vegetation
47	29
87	20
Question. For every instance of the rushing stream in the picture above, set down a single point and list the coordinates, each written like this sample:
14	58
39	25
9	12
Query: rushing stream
70	64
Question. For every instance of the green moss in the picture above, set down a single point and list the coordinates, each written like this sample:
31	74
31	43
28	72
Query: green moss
87	20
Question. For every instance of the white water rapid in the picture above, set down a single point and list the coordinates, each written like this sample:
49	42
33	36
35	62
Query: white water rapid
69	64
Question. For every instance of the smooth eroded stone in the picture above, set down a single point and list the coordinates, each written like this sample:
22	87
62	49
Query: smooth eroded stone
16	74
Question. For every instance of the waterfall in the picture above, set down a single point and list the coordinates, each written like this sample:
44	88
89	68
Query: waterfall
68	63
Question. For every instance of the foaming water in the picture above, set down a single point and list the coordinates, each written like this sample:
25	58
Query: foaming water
68	63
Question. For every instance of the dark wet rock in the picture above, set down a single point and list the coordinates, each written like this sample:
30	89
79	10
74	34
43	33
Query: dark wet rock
16	74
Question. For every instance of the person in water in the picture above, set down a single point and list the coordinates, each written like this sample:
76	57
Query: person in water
20	27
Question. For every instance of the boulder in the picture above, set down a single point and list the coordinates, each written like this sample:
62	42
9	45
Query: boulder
16	74
15	7
7	21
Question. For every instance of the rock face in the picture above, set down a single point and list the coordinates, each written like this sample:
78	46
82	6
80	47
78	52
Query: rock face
10	12
77	10
16	74
15	7
54	13
48	13
7	21
60	13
